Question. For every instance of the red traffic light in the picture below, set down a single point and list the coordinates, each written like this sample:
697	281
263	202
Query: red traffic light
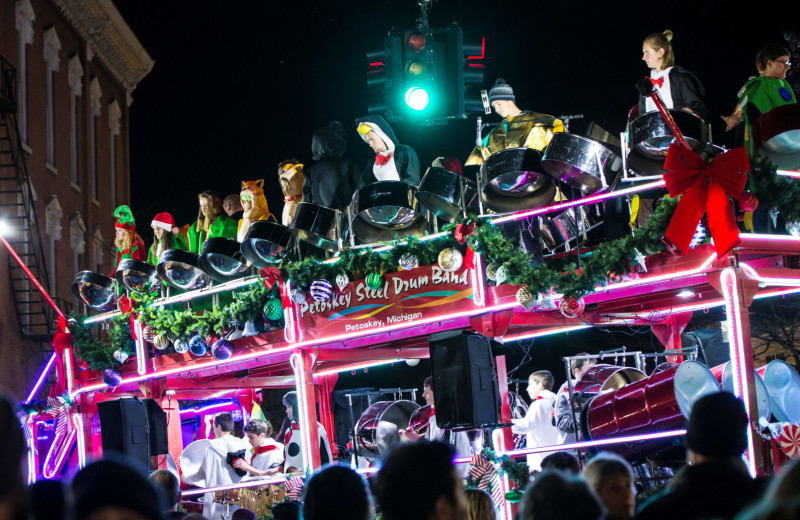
416	41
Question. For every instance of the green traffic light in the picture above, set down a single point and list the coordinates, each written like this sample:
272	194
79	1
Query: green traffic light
417	98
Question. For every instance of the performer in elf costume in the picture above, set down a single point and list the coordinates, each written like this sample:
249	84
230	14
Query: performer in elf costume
128	243
211	222
165	237
254	205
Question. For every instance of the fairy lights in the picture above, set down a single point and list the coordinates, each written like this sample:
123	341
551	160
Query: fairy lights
77	422
298	365
42	377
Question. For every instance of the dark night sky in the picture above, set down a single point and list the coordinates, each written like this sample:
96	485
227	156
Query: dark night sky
239	86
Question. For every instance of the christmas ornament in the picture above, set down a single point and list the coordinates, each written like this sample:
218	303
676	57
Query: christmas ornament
525	298
501	275
408	262
273	310
161	341
341	281
298	296
789	440
321	290
181	346
374	280
747	202
793	228
120	355
699	236
485	473
450	259
544	302
112	376
198	345
571	307
491	272
613	277
83	365
412	362
640	260
249	329
221	349
148	334
514	496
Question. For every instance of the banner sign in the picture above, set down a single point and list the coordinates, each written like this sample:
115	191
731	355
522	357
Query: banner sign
422	294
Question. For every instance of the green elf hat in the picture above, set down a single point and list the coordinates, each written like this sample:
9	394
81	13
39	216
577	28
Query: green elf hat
124	218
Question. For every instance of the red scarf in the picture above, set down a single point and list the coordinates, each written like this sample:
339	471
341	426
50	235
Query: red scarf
290	199
288	436
262	449
380	160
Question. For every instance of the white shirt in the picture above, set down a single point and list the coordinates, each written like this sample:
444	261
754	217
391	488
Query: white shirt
460	442
267	460
218	472
664	90
537	425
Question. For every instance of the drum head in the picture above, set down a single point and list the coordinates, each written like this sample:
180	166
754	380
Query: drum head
379	426
783	386
95	290
692	381
513	172
136	275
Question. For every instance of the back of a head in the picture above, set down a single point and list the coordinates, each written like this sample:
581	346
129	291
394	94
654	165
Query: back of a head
555	496
168	482
603	466
336	493
479	505
110	483
46	500
225	421
424	471
286	511
717	426
562	460
12	448
243	514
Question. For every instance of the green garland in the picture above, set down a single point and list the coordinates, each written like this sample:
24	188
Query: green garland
40	406
96	353
775	191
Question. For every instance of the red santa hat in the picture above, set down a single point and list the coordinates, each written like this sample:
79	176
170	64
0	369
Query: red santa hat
164	221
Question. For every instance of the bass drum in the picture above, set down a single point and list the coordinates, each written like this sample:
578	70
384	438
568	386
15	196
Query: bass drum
581	163
316	225
385	208
379	426
776	135
440	191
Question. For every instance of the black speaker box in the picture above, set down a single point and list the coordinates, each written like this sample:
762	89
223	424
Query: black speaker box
157	419
711	349
465	388
124	429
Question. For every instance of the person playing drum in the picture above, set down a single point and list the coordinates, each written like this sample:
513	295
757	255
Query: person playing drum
679	88
762	94
538	421
266	456
393	161
519	128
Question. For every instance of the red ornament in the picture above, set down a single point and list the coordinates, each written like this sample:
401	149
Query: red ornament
789	439
614	277
748	202
83	365
571	307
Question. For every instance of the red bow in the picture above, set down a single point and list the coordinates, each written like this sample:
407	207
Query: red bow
380	160
126	307
463	231
705	188
270	275
657	82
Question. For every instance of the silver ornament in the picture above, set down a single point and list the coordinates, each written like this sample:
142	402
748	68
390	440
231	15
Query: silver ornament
161	341
525	298
342	280
181	346
491	272
298	296
121	356
408	262
500	276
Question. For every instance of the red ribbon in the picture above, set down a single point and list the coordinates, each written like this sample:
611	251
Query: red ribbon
657	82
461	233
62	340
380	160
270	275
126	307
705	188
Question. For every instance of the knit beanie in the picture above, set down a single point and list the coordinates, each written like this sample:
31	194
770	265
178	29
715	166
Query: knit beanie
165	221
717	426
501	91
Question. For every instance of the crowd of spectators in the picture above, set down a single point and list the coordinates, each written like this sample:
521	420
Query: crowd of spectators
419	481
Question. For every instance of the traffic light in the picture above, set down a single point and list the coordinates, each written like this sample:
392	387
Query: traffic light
423	75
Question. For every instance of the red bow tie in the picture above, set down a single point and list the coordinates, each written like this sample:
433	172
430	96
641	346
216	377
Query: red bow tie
657	82
380	160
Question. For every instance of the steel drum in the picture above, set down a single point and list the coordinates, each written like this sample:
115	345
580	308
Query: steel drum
660	402
600	379
379	426
776	135
95	290
519	408
567	226
136	275
650	136
724	374
316	225
783	387
582	163
222	259
385	208
191	461
181	270
543	196
440	192
420	419
514	172
266	243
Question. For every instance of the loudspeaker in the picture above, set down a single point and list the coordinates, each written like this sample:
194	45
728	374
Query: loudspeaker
124	429
712	350
157	419
465	390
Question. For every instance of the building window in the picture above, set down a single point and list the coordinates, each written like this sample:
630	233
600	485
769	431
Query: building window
114	114
24	21
95	93
75	74
52	46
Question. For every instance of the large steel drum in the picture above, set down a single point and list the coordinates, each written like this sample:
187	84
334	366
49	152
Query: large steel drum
181	270
222	259
724	374
419	420
136	275
95	290
776	135
514	180
316	225
379	426
650	135
191	461
266	243
660	402
603	378
581	162
783	387
385	208
441	191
